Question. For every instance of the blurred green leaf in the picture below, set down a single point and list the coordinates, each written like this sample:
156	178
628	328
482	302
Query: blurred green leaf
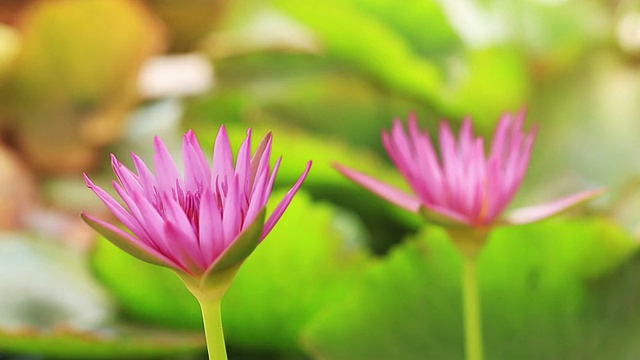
369	46
422	23
537	293
312	257
307	91
494	81
145	292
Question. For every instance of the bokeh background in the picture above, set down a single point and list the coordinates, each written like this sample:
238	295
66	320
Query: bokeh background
344	275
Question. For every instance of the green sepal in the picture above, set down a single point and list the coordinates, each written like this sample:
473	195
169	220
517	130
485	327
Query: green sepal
439	219
216	280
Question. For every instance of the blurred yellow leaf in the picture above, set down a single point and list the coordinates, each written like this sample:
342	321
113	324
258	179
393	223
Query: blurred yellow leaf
9	46
188	21
76	72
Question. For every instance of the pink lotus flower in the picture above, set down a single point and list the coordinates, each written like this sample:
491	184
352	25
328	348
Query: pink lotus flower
202	224
462	186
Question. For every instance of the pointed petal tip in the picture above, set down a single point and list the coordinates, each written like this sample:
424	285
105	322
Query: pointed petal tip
306	170
189	137
116	164
523	111
87	180
158	144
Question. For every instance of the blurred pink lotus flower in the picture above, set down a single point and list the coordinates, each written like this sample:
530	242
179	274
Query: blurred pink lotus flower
203	224
462	186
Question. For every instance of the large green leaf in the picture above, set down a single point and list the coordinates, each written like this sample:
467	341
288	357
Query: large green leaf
308	91
108	343
422	23
369	46
539	292
312	257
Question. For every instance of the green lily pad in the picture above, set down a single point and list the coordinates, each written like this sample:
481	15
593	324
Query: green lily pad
539	294
111	343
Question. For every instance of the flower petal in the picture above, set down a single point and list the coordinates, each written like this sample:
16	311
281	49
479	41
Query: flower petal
147	178
231	213
263	151
243	166
165	167
279	210
382	189
129	220
210	233
538	212
181	236
272	180
428	165
258	199
128	179
197	173
222	157
182	250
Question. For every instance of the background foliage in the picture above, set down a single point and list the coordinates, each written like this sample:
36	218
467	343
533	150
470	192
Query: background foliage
344	275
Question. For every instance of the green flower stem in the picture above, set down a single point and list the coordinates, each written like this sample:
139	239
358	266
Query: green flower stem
209	297
472	317
213	328
470	242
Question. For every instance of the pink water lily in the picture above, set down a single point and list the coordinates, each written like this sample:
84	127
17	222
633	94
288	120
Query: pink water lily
462	186
204	222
